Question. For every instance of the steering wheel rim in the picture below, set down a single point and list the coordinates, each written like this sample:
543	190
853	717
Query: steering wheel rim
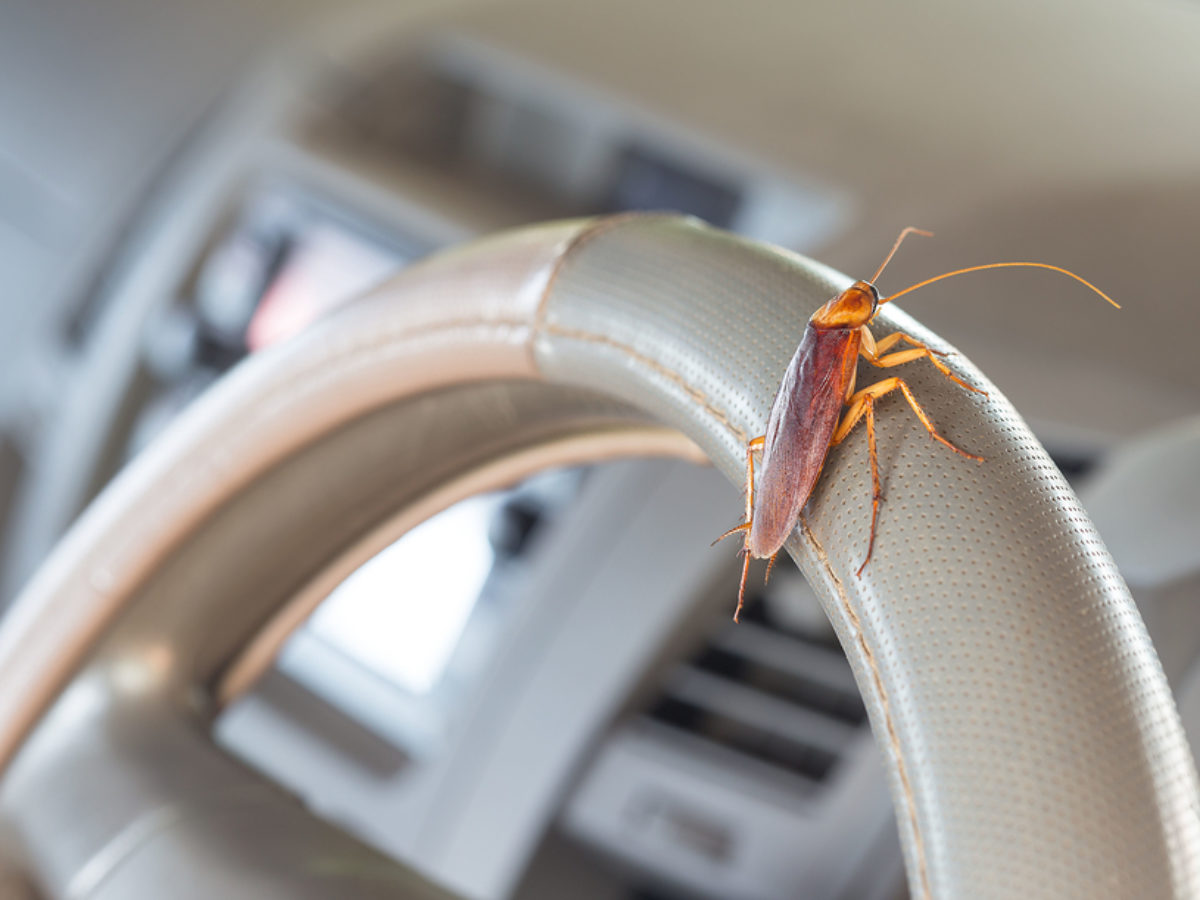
1031	740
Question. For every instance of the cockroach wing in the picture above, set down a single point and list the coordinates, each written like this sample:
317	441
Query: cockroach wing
801	425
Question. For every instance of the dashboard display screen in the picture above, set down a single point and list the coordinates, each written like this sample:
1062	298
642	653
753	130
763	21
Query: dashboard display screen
323	266
402	613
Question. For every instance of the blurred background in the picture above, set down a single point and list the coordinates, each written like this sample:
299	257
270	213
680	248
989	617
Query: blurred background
184	184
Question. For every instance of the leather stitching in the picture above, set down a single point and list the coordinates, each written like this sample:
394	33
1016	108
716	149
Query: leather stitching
581	237
674	377
893	738
868	654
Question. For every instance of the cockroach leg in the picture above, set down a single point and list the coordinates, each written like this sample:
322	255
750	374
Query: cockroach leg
886	361
900	357
876	488
880	389
856	408
866	343
736	529
770	566
862	405
885	344
751	446
745	551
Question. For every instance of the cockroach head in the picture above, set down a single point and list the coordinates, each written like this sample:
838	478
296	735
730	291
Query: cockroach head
853	307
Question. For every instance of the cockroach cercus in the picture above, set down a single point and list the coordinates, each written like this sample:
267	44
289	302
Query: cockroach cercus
817	386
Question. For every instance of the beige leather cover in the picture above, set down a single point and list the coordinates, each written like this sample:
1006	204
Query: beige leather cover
1033	745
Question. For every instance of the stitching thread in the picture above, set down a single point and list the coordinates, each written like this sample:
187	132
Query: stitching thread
670	374
541	326
868	653
581	237
893	738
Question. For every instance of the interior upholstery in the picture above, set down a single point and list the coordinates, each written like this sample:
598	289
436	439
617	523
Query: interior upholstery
1031	739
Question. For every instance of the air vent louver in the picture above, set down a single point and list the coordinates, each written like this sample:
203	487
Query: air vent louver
768	691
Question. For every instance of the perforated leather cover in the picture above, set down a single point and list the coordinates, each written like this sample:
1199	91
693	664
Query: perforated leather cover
1033	746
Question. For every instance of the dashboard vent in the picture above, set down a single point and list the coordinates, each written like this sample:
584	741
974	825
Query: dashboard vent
775	691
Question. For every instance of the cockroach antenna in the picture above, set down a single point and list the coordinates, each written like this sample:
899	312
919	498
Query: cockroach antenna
1000	265
896	246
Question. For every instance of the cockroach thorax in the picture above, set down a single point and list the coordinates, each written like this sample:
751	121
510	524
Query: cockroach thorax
852	308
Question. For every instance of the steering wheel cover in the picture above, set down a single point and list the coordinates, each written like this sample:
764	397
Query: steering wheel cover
1031	740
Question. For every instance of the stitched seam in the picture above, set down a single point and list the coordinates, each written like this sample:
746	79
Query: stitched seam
541	326
843	597
671	375
300	382
386	335
190	467
877	678
580	238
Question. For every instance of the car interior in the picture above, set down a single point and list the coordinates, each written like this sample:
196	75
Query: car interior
377	377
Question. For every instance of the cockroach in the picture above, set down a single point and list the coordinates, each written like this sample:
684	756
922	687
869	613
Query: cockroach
817	386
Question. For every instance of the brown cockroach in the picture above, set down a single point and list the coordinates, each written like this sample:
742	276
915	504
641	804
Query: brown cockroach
818	384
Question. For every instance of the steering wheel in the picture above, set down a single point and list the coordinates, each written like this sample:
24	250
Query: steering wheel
1032	743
